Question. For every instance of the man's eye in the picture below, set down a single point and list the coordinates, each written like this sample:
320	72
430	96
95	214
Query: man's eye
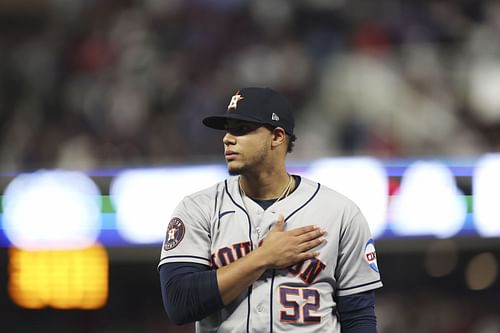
243	129
240	129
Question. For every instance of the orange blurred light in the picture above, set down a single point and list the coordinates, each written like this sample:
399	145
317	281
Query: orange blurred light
61	279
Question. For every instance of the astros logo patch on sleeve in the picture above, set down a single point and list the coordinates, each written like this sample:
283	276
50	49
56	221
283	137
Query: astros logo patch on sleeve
371	255
175	233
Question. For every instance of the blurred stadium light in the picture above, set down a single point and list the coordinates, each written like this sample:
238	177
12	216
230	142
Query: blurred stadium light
481	271
428	202
64	209
362	179
144	199
61	279
486	188
52	209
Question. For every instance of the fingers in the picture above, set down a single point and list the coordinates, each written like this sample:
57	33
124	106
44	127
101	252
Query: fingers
293	245
311	235
284	248
307	234
309	231
280	224
306	246
301	235
310	239
303	230
307	255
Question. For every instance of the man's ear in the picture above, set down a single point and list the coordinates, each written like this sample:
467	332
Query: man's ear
279	137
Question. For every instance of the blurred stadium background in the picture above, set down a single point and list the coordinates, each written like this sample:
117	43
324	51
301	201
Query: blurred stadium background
405	95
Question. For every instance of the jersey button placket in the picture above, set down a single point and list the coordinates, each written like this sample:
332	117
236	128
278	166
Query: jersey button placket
257	222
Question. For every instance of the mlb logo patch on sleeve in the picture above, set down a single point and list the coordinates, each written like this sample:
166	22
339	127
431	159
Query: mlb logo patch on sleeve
175	233
371	255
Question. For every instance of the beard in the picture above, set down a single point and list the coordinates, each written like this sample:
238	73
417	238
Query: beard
250	165
235	171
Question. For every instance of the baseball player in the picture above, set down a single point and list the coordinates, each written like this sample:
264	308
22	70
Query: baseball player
266	251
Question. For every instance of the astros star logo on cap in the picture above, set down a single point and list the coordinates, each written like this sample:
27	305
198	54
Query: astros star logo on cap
234	101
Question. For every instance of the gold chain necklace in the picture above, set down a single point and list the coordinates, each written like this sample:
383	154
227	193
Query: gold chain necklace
286	191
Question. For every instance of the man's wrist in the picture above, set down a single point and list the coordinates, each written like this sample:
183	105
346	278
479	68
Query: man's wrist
262	258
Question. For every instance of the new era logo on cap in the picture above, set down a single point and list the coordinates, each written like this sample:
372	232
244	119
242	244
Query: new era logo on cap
257	105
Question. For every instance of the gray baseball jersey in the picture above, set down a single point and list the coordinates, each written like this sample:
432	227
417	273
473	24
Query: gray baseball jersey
219	225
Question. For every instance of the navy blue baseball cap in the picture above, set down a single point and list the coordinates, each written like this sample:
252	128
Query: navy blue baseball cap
258	105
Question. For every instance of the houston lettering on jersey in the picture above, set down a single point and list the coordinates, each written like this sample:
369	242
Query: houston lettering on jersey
307	270
226	255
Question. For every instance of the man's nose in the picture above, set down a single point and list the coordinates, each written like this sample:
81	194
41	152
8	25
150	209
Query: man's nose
228	139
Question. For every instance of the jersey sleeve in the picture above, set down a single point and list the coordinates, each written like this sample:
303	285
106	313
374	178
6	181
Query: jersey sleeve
187	238
357	270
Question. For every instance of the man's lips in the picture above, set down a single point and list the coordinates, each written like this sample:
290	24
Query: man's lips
230	155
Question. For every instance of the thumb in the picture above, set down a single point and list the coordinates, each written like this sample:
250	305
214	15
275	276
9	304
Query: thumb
280	224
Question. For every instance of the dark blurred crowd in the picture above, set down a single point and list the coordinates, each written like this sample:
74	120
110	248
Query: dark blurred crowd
90	84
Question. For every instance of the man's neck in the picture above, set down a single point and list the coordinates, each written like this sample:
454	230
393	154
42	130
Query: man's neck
266	186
